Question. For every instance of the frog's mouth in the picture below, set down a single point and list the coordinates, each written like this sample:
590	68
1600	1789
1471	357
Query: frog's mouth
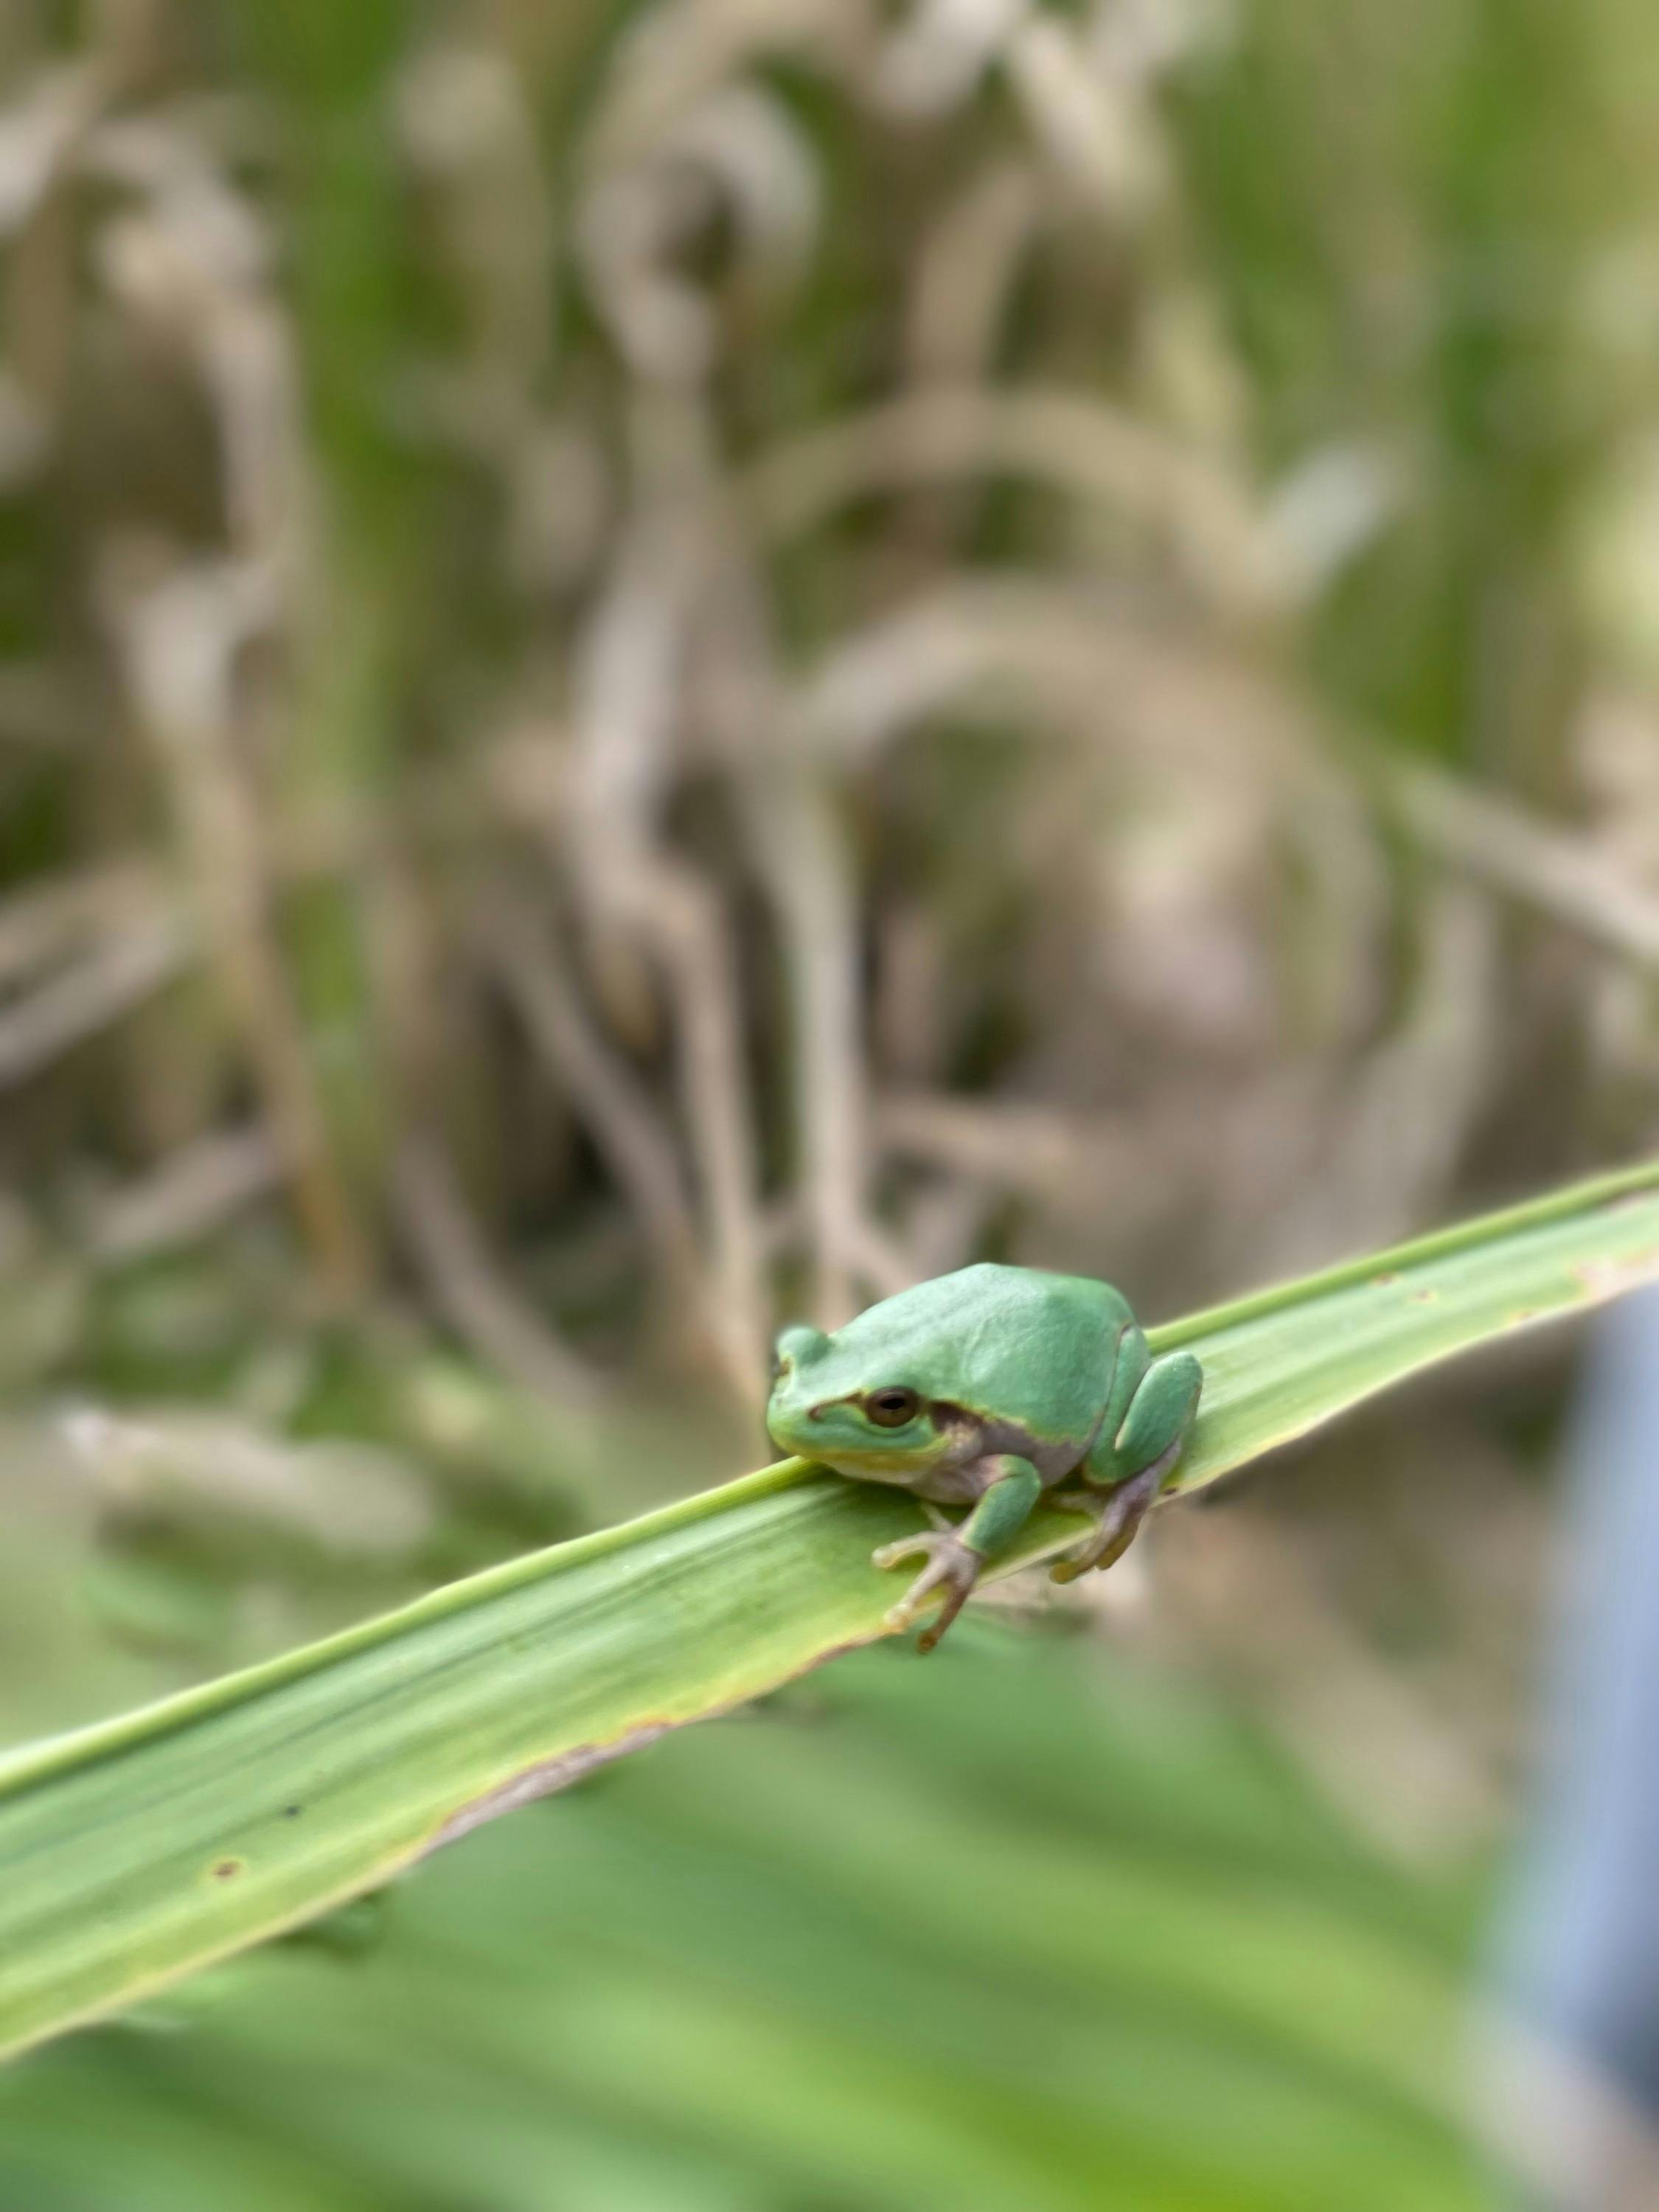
855	1452
901	1468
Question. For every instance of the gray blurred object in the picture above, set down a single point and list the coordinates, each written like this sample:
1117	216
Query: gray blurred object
1575	2088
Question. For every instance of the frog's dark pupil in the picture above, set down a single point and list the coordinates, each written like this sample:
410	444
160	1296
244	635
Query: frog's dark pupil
892	1409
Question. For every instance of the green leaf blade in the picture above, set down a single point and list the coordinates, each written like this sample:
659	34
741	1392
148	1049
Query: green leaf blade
134	1852
1285	1361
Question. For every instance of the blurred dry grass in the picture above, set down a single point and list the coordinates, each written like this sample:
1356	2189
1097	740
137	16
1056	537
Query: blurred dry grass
665	664
728	639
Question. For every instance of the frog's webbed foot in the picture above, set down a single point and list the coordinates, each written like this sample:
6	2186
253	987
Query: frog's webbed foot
952	1566
1126	1507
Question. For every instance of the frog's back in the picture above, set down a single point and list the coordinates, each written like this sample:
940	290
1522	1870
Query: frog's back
1016	1343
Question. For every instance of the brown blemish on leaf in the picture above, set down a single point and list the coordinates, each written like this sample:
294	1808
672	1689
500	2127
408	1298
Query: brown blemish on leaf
227	1869
1602	1278
1382	1282
549	1774
543	1778
1423	1297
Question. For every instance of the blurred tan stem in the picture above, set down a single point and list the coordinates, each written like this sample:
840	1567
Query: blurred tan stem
180	636
520	946
1560	871
469	1286
633	886
801	853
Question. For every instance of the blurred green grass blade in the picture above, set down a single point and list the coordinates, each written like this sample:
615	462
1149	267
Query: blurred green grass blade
132	1852
845	1952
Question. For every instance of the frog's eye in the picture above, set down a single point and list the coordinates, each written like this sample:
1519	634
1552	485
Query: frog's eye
891	1409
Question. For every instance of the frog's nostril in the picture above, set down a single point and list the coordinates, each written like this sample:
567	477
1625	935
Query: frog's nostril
816	1412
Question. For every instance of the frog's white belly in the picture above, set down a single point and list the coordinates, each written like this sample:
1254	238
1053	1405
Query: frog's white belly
957	1486
947	1485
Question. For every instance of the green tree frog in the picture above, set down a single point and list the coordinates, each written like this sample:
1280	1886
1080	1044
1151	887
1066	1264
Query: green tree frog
989	1389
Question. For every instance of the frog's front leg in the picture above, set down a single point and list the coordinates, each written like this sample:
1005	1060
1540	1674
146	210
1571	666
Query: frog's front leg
956	1557
1153	1434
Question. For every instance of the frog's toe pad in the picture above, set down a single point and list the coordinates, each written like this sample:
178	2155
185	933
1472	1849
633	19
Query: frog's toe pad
952	1567
892	1555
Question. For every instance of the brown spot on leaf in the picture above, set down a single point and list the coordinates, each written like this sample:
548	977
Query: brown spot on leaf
541	1779
1602	1278
226	1869
567	1766
1423	1297
1382	1282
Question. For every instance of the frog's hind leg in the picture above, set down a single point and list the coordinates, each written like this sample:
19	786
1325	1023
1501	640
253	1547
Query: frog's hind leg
1154	1431
1126	1506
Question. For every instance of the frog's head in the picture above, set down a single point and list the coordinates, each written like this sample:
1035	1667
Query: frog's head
834	1399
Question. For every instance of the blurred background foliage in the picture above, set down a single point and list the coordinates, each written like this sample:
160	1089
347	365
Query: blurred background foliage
666	665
